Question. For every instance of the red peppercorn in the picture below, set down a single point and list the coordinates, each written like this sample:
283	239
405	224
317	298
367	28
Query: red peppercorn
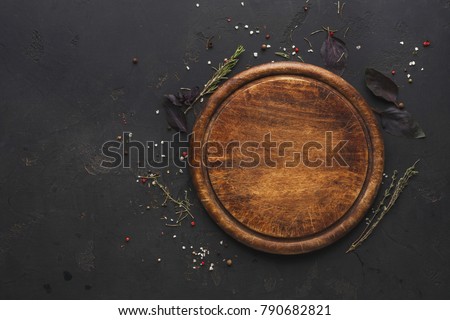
393	72
202	263
135	60
331	33
184	154
127	239
228	19
143	180
267	36
305	8
296	50
193	223
426	43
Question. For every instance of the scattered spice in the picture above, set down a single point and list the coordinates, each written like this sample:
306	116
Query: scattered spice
426	43
209	44
229	262
127	239
267	36
193	223
135	60
263	47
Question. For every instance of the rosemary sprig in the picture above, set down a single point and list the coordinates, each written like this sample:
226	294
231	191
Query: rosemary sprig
220	74
390	196
183	204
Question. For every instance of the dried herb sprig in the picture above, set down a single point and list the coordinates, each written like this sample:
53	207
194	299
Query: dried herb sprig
220	74
390	197
184	204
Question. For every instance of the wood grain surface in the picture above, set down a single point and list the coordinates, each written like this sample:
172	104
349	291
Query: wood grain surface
286	157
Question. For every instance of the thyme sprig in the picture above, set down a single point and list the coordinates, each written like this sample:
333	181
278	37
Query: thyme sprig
220	74
183	205
390	196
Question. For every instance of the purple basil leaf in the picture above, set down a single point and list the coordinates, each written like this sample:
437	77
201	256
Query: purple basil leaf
176	118
381	86
334	53
175	101
190	95
401	123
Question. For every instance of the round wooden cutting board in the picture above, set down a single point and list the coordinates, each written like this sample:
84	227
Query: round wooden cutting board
286	157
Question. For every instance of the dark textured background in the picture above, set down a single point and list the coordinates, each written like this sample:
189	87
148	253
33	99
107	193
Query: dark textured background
68	84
